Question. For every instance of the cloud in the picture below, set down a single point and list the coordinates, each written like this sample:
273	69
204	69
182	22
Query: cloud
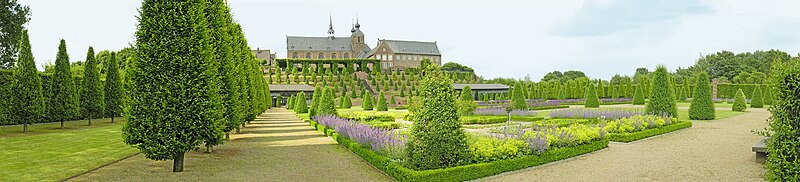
604	18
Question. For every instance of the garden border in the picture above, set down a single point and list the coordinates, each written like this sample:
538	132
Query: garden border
630	137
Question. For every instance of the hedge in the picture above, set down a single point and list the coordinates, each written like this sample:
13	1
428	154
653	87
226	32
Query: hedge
728	90
466	172
629	137
547	107
496	119
6	79
285	62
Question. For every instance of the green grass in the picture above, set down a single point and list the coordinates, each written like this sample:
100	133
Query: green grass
683	114
45	128
49	154
397	113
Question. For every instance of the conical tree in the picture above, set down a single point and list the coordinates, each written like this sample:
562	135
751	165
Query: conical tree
592	100
346	102
681	96
466	94
290	103
702	107
768	95
662	99
757	100
517	99
300	105
219	20
113	88
327	105
172	82
638	96
436	139
63	88
28	101
382	103
315	97
561	95
601	89
92	92
739	102
366	102
391	100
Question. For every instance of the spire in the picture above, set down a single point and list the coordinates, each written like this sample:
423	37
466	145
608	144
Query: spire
352	27
330	26
357	25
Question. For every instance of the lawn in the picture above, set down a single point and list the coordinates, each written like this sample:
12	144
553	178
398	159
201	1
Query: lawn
683	114
48	154
45	128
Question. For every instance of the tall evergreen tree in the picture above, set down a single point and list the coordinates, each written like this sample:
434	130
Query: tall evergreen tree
702	107
173	90
290	103
65	104
739	102
757	99
592	99
326	105
638	96
113	88
300	105
27	93
92	92
219	20
366	102
315	97
517	99
662	99
382	103
466	94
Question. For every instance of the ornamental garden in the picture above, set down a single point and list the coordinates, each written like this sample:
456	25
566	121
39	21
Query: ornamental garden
190	85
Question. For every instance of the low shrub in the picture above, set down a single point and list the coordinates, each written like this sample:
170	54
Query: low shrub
496	119
547	107
739	103
594	113
629	137
637	123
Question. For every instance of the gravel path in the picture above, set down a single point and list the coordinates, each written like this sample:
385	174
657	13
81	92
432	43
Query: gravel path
718	150
278	146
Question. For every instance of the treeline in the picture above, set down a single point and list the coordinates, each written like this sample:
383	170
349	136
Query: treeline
192	81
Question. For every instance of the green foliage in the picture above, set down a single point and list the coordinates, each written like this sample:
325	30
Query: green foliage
633	136
346	102
466	94
739	102
366	101
315	99
662	98
638	96
757	100
702	107
592	100
227	52
391	100
487	149
14	16
300	105
113	88
517	98
27	96
290	103
92	93
768	95
436	139
327	104
382	103
783	145
63	93
172	82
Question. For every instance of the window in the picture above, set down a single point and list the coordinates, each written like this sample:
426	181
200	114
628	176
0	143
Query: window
308	55
390	57
333	55
347	55
321	56
384	49
294	55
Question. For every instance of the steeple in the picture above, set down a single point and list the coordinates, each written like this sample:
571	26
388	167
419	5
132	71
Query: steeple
357	25
352	27
330	27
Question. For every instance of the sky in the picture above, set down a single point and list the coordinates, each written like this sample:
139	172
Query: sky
499	38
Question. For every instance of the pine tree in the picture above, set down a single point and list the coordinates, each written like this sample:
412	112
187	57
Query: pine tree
757	100
27	95
113	87
591	100
172	82
739	101
300	105
366	102
638	96
702	107
662	99
65	104
382	103
92	92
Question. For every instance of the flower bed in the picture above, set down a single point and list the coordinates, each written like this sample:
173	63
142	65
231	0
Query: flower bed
497	111
642	126
496	119
507	153
595	113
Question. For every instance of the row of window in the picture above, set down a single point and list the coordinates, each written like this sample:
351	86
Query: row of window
320	55
387	57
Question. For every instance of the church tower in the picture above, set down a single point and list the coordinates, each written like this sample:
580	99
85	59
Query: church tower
357	38
330	27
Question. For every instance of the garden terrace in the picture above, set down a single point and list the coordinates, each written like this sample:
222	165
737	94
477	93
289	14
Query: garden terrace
286	90
478	89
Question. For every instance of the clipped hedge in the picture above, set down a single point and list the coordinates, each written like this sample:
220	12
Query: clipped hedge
629	137
728	90
496	119
466	172
547	107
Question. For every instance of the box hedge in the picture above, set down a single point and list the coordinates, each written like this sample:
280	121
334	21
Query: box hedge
629	137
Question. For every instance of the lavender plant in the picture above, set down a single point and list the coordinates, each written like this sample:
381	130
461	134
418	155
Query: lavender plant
592	113
378	139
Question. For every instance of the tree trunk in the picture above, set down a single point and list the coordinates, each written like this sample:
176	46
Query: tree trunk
62	123
25	127
228	136
177	162
209	148
238	130
244	125
90	119
112	118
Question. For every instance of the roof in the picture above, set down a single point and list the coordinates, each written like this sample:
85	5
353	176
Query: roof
296	43
412	47
290	88
480	86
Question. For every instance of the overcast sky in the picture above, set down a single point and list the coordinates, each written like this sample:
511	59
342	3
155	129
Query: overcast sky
498	38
